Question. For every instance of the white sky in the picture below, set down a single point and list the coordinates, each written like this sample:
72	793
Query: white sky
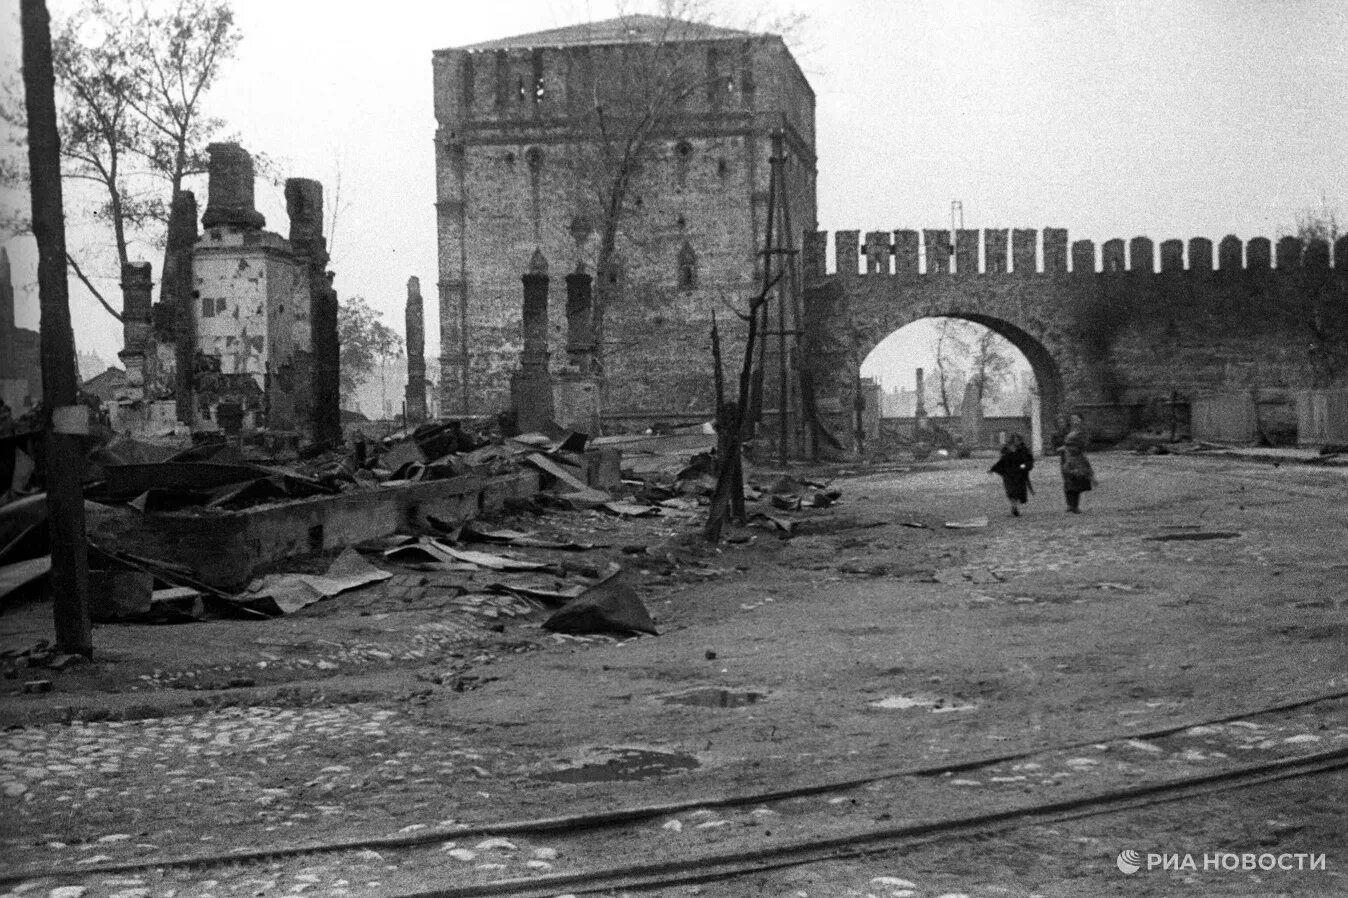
1168	119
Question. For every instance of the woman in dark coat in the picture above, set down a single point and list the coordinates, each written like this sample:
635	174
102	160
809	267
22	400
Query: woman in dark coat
1014	468
1077	474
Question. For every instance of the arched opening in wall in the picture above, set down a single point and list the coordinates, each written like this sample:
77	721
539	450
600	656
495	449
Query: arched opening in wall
982	379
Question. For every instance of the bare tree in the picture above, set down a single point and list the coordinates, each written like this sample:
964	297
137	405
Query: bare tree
178	55
970	353
949	377
99	129
130	85
992	363
626	116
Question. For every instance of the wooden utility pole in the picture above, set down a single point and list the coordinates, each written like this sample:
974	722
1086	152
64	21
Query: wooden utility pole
65	418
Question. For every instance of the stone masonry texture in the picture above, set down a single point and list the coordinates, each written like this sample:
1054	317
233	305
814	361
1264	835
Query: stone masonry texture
1101	342
415	393
513	130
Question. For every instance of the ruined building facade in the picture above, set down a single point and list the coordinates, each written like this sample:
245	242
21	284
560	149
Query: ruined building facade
520	167
244	337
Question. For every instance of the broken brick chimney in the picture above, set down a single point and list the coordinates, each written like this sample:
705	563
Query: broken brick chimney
415	393
176	296
576	392
230	189
304	207
531	386
137	348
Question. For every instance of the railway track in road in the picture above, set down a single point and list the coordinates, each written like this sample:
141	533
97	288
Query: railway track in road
720	838
730	865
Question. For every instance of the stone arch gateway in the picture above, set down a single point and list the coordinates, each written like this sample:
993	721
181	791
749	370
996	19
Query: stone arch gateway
1111	342
1048	377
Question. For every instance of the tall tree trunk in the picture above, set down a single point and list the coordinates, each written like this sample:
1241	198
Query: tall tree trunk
60	383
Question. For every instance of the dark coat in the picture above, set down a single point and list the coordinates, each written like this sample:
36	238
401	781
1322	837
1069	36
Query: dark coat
1014	468
1077	474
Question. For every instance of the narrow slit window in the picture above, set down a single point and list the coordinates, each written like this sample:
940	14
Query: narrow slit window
687	274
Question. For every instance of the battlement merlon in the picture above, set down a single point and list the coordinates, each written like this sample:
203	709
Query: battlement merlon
931	252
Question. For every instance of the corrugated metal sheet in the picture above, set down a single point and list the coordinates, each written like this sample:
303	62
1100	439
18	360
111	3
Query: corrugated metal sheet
1322	417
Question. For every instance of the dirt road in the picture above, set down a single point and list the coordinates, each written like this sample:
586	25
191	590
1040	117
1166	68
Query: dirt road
869	673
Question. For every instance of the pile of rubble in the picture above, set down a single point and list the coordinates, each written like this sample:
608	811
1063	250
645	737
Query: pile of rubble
625	477
223	475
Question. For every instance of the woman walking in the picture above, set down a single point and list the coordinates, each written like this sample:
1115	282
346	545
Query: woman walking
1014	468
1077	474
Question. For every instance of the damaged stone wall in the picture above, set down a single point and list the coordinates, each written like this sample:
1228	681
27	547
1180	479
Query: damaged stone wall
1102	341
253	320
508	184
245	332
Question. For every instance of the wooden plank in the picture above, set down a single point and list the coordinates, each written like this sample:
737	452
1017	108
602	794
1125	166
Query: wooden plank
558	470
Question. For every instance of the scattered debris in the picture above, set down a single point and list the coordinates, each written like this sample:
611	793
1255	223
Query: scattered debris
476	531
1192	535
573	477
624	765
21	573
122	595
488	561
609	606
776	522
713	697
287	593
631	509
934	703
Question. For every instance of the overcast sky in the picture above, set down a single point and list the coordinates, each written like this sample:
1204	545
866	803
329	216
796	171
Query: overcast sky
1112	119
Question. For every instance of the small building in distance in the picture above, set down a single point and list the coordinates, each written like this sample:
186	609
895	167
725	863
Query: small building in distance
521	158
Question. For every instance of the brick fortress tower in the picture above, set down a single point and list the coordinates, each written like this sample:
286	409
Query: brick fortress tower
519	166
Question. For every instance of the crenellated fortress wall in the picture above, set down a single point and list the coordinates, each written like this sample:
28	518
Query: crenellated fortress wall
1107	332
1027	251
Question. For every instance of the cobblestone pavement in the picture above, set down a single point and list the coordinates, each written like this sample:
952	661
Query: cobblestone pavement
1120	621
367	871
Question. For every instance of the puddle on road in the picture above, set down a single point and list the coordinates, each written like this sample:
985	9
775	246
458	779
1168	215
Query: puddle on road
936	704
711	697
624	765
1193	535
